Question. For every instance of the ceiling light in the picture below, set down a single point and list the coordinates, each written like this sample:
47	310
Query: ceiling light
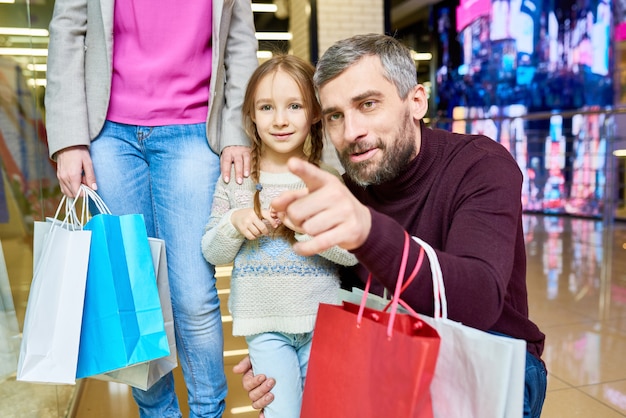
23	31
264	54
28	52
421	56
274	36
620	152
263	7
7	1
37	67
36	82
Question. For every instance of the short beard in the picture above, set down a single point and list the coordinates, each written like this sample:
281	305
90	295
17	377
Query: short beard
397	158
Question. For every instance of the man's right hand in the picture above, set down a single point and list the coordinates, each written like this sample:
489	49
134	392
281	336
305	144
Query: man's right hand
74	167
326	210
258	387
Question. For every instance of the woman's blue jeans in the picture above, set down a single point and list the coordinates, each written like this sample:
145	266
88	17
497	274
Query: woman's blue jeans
168	174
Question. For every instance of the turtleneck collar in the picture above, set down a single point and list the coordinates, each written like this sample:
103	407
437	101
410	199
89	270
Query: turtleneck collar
417	169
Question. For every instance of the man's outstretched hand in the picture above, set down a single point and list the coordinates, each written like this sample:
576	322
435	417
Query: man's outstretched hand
326	210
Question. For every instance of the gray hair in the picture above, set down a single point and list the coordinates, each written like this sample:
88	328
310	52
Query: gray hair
398	66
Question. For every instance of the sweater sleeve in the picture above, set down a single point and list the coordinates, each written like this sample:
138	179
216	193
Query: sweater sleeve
335	254
221	240
65	96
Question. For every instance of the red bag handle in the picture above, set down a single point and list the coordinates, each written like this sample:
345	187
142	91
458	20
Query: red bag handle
399	287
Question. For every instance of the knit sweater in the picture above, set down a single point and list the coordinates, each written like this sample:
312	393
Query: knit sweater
462	195
272	287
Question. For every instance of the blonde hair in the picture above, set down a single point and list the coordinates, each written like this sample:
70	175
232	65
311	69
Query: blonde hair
301	72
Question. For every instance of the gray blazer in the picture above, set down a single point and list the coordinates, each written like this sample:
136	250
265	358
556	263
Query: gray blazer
80	69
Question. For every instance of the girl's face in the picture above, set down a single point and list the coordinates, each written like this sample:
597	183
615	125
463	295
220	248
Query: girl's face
281	119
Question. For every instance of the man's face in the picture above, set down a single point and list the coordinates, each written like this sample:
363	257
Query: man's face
374	131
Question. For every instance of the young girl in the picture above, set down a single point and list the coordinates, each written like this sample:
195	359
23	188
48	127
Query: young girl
274	292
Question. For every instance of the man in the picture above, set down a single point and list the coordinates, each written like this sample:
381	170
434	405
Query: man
459	193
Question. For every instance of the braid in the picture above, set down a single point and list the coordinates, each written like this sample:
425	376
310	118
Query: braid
255	160
317	143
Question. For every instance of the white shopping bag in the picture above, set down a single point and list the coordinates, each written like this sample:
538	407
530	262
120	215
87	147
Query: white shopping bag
478	374
49	348
144	375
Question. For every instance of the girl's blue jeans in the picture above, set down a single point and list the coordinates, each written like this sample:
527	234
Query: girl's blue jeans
284	357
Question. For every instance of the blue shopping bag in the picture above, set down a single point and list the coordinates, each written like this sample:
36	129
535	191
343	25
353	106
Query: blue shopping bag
122	316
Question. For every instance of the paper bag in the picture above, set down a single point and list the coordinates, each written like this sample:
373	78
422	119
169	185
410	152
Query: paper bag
122	318
478	374
52	324
144	375
370	363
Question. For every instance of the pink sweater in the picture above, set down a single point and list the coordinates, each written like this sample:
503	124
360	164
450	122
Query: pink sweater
462	195
161	62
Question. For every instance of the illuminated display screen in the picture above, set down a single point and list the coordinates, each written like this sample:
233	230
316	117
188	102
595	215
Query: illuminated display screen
522	57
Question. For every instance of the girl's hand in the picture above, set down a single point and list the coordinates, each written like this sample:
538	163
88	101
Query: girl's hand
271	217
282	218
248	224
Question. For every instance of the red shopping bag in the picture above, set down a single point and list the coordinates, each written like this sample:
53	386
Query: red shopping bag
370	363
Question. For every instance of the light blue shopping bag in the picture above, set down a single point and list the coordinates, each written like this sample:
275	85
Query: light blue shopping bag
122	316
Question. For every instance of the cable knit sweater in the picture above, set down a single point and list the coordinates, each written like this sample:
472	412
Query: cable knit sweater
272	287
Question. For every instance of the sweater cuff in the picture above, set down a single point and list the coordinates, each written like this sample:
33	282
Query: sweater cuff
382	233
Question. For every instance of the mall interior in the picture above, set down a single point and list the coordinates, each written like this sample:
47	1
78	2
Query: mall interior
544	78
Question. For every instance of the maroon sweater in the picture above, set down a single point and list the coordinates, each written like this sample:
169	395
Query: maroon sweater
462	195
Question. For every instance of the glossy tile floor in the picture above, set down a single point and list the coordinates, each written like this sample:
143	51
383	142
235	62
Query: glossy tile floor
577	295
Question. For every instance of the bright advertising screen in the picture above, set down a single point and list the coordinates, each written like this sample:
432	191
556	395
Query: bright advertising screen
521	57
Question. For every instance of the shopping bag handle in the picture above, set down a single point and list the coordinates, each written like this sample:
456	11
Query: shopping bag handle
88	194
393	304
92	195
70	220
409	280
439	289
